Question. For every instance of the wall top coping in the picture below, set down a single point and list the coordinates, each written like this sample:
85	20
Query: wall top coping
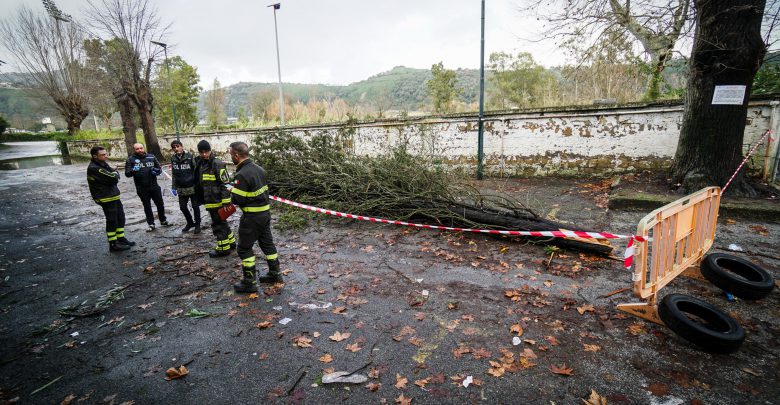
549	112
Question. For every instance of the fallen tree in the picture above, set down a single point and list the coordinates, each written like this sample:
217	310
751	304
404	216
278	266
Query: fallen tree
321	171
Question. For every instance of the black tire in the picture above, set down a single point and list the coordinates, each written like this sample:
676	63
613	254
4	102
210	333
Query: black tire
711	329
737	276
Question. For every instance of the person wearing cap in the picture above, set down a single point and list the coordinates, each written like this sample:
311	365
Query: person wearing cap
212	177
250	194
102	180
144	168
183	185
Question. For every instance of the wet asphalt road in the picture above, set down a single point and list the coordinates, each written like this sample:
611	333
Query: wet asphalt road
422	306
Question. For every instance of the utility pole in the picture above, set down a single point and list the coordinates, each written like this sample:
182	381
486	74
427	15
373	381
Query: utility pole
481	125
170	86
277	6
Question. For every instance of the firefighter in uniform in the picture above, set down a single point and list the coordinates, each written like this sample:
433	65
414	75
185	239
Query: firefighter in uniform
212	176
250	194
102	181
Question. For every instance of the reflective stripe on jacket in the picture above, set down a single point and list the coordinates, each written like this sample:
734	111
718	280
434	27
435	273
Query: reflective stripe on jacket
102	181
250	191
212	176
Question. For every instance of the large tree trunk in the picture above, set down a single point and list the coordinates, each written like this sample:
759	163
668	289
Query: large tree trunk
128	119
73	109
145	105
728	50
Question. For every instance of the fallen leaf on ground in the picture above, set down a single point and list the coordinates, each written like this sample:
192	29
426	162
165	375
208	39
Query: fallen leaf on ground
516	328
338	336
595	399
414	340
496	369
751	371
353	347
481	353
460	351
528	353
400	381
373	373
586	308
422	383
759	229
374	386
263	356
420	316
68	400
252	296
636	328
592	348
552	340
173	372
264	324
327	358
146	306
402	400
302	341
561	369
339	310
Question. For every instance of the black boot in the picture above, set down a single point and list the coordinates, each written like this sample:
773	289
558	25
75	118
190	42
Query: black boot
188	227
124	241
248	283
274	275
197	229
115	247
219	253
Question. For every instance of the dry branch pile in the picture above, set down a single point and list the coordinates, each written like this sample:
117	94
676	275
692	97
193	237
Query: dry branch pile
321	171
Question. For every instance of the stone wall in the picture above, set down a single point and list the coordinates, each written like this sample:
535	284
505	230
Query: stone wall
565	142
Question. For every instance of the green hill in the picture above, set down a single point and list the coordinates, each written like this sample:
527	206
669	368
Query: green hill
401	88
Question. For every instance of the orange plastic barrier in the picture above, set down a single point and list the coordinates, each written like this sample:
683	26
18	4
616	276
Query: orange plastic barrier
678	235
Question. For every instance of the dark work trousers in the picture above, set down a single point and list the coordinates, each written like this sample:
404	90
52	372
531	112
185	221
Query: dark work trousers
147	194
115	219
184	210
221	231
255	226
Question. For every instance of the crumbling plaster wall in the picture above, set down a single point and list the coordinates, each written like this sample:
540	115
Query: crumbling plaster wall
591	142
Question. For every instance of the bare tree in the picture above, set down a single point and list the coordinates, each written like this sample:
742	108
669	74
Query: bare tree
132	24
215	105
655	24
48	48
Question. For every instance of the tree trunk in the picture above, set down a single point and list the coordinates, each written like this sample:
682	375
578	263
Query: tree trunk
73	111
145	106
128	119
728	50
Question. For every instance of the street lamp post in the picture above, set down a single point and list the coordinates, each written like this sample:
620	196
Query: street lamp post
170	86
481	124
277	6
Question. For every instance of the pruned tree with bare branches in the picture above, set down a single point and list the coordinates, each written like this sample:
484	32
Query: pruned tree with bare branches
655	25
48	48
131	25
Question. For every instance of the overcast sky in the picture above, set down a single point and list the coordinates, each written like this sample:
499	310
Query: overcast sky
330	41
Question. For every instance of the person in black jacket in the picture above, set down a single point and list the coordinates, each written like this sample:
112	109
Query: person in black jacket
212	176
102	180
183	184
144	168
250	193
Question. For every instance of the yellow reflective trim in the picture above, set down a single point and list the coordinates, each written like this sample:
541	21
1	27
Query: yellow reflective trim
255	193
213	205
272	257
110	233
256	209
108	199
226	200
249	261
209	177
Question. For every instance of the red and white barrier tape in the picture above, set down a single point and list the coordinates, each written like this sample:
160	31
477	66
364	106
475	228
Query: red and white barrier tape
628	257
750	152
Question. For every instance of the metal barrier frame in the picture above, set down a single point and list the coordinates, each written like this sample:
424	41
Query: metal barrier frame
677	236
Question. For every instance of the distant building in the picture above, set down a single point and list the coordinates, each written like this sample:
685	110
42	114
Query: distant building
47	125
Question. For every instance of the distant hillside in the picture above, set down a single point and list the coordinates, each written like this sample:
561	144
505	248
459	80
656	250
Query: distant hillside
401	88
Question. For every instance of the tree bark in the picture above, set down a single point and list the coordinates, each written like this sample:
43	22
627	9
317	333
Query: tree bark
144	102
128	119
728	50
